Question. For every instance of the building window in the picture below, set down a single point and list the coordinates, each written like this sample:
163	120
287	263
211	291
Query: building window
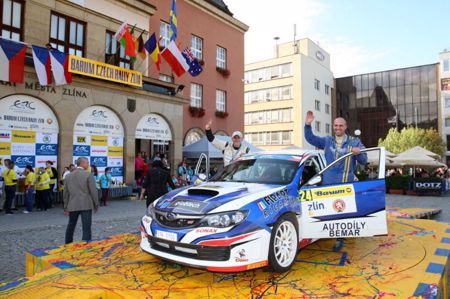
67	34
327	108
317	126
447	102
115	54
196	95
316	84
12	15
268	73
193	135
164	32
317	105
327	128
197	46
327	89
166	78
448	142
221	57
446	65
447	122
221	100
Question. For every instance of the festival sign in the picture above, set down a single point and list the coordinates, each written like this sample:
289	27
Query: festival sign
104	71
27	113
153	127
98	136
28	131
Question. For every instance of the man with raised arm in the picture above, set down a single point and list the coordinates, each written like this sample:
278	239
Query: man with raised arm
337	146
231	151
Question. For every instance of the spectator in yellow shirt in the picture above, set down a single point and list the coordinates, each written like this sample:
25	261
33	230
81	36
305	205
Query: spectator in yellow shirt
30	181
42	190
10	181
53	175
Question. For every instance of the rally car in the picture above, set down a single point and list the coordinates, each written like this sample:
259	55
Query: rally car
260	210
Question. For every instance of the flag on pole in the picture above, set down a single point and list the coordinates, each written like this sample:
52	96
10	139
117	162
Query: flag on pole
60	67
41	59
173	21
12	60
152	48
124	37
194	65
175	59
140	46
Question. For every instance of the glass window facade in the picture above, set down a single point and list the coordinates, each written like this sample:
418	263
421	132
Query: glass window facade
269	138
376	102
268	73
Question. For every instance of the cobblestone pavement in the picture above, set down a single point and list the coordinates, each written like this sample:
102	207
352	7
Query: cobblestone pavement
20	232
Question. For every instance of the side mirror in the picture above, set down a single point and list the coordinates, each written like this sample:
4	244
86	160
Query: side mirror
315	180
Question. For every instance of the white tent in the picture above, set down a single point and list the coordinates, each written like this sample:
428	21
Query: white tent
420	151
416	158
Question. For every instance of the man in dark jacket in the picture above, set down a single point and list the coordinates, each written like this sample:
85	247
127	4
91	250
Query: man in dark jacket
155	183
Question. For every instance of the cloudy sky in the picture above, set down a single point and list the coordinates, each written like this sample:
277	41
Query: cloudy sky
360	35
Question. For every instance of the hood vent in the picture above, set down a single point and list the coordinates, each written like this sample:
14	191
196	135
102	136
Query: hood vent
204	192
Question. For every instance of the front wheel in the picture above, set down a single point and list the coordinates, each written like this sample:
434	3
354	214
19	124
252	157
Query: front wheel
283	243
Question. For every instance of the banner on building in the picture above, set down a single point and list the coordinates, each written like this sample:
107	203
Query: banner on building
153	127
97	121
108	154
104	71
28	131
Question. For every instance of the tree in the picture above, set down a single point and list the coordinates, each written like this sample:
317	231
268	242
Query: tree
397	142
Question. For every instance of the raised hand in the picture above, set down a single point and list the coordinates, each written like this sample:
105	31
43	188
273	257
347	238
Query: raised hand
208	125
309	117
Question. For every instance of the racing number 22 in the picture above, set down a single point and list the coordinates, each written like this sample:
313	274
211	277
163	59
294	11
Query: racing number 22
305	195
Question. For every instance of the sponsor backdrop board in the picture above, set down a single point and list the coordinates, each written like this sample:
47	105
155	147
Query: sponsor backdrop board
99	135
28	131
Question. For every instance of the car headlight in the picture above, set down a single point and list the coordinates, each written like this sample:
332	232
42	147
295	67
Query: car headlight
224	219
150	211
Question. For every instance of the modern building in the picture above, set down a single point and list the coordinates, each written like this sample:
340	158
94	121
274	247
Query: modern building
208	28
444	70
279	91
376	102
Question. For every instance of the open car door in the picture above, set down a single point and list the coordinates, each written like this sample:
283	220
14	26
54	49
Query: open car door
352	209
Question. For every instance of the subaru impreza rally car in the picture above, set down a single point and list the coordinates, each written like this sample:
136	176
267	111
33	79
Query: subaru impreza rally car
260	210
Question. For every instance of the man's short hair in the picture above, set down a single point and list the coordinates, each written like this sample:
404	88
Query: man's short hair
78	162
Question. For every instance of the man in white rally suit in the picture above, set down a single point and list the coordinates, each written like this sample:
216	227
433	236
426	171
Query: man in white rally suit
231	151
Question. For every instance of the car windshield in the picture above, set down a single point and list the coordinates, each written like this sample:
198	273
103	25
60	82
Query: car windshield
264	171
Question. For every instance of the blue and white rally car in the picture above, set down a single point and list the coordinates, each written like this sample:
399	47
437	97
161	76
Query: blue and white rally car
260	210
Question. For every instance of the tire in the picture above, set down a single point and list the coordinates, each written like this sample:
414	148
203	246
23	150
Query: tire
283	243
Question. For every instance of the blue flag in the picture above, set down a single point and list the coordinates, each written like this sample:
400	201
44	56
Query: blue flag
194	65
173	21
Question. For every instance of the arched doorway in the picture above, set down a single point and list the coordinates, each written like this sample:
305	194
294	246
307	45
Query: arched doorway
153	135
193	135
28	131
98	134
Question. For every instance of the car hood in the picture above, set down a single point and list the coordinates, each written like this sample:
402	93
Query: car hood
207	196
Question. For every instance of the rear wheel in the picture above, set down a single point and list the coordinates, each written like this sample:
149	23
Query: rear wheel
283	243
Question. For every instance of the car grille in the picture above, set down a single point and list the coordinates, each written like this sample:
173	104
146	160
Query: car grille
178	221
199	252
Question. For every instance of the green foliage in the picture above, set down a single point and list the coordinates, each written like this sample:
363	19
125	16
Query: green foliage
397	142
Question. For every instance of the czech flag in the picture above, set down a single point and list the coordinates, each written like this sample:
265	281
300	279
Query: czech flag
175	59
60	67
41	59
12	60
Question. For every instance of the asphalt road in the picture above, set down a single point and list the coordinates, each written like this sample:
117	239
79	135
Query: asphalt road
25	232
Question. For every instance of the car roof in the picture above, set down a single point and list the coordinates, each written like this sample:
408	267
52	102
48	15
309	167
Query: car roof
283	153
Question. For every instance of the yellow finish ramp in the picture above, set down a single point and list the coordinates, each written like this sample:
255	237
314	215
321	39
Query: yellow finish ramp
411	262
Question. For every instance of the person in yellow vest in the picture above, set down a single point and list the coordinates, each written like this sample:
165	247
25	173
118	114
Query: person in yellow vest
10	181
53	175
30	182
42	190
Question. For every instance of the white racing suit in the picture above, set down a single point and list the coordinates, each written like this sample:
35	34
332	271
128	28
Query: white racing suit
229	152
